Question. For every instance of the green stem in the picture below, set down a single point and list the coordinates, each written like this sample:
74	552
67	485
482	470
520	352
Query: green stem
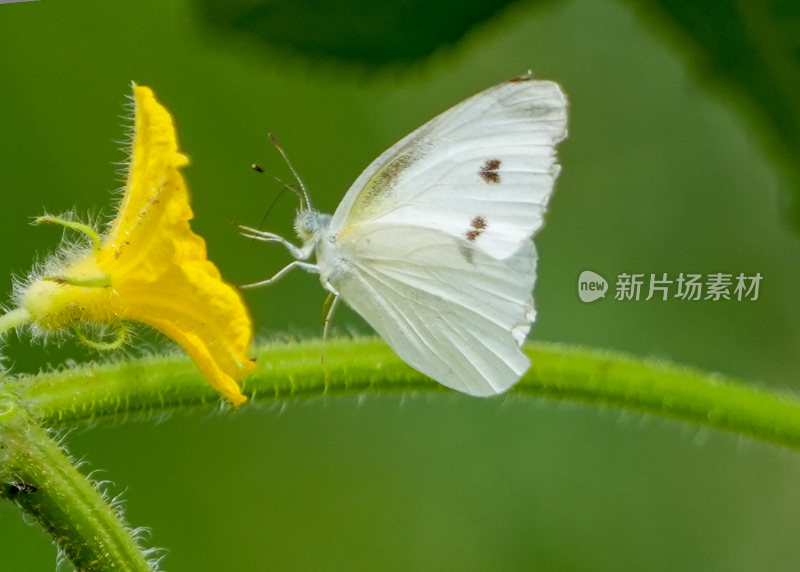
295	371
42	481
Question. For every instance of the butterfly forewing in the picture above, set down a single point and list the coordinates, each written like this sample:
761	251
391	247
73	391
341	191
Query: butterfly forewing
482	171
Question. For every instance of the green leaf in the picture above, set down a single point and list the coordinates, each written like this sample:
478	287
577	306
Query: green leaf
752	51
355	31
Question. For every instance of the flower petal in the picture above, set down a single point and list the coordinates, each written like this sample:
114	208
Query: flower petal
151	229
194	299
198	350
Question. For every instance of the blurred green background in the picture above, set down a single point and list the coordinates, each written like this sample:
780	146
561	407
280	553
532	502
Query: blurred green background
672	165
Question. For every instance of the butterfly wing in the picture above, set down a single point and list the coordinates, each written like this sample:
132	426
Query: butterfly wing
483	171
447	308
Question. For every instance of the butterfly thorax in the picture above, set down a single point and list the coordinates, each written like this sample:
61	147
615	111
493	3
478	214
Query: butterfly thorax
314	229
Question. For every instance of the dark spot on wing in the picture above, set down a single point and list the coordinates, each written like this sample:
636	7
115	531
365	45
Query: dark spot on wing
526	77
489	171
479	223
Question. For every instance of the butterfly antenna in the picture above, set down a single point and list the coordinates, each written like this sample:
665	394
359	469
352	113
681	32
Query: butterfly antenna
257	168
307	204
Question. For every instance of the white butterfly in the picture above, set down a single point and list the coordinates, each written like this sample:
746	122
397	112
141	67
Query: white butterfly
432	244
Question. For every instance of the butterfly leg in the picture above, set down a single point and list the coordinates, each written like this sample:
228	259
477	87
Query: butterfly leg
253	233
328	308
280	273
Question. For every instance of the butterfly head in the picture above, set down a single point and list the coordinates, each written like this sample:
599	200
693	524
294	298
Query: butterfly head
309	223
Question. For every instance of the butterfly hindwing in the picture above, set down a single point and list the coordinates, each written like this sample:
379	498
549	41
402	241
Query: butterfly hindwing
446	307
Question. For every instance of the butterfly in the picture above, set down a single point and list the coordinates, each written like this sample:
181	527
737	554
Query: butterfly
432	244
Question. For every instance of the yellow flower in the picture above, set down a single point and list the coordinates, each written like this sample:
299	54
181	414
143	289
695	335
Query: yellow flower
149	266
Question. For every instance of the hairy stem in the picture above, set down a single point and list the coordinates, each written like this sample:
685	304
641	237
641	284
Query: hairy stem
42	481
295	371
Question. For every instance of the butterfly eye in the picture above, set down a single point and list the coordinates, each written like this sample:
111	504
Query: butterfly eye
306	224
